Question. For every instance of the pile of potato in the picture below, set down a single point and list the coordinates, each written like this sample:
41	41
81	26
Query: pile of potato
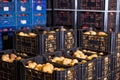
95	33
47	68
69	40
50	43
22	54
27	35
65	61
10	57
80	54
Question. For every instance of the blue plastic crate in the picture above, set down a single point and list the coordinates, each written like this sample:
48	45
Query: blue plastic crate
7	13
24	5
38	7
39	19
7	6
24	20
24	14
11	9
39	12
7	22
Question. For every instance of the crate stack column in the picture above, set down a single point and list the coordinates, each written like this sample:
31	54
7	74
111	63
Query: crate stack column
38	13
7	14
7	23
23	13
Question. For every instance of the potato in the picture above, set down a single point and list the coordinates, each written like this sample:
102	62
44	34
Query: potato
69	72
50	37
72	64
50	65
118	54
47	69
93	33
83	56
83	61
86	33
26	35
90	64
26	66
52	32
21	34
59	69
75	61
80	52
12	56
38	67
118	35
18	58
69	34
35	68
84	50
101	53
5	57
32	65
10	60
93	52
55	59
77	52
77	55
94	56
63	29
67	61
62	58
44	32
57	30
106	59
102	34
30	61
89	58
51	49
24	54
32	34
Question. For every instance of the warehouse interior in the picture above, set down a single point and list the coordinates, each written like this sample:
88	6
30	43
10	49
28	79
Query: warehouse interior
59	40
